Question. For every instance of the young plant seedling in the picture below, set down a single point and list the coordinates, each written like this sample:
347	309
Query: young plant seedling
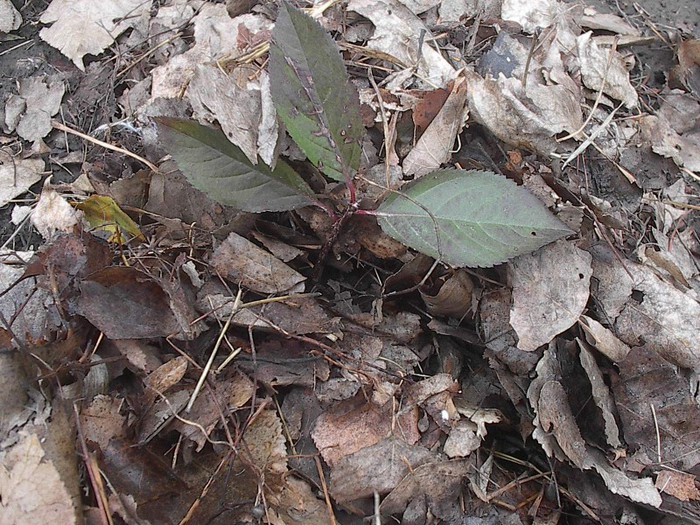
461	218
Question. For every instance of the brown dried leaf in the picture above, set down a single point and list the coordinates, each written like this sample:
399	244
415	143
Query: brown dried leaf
233	392
395	30
603	339
453	299
30	112
647	380
53	214
31	490
604	68
82	27
550	291
380	468
555	417
101	421
440	482
434	148
665	320
673	132
352	426
17	175
678	484
689	62
601	395
164	378
125	303
265	449
241	261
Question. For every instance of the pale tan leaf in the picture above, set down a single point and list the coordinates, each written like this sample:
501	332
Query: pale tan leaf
241	261
31	490
550	291
82	27
17	176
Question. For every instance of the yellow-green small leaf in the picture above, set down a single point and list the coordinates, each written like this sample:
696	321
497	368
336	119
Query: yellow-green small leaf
104	214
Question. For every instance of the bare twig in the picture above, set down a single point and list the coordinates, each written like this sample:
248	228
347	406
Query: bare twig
106	145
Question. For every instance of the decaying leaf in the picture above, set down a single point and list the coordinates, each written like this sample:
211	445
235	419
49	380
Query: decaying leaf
604	70
143	307
30	112
523	117
10	18
105	215
550	291
380	467
82	27
31	490
53	214
435	145
678	484
531	15
395	33
16	177
673	131
243	262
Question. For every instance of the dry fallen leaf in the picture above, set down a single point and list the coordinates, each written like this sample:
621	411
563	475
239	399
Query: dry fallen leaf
434	148
82	27
241	261
53	214
16	177
31	490
396	31
678	484
550	291
604	69
30	112
10	18
125	303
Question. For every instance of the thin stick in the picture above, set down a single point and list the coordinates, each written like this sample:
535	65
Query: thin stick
106	145
210	362
327	497
658	434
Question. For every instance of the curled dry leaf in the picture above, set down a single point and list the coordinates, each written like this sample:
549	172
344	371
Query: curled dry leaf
435	146
604	69
453	299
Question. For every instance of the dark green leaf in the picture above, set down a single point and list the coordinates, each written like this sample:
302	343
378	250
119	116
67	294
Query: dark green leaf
312	94
220	169
469	218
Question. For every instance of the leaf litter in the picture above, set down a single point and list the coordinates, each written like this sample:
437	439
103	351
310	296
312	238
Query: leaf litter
324	328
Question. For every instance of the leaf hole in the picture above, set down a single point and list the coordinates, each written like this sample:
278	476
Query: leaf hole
534	234
638	296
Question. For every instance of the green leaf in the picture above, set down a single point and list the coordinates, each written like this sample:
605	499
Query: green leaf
220	169
312	94
469	218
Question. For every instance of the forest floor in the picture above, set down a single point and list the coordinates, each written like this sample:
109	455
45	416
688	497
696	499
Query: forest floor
419	262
